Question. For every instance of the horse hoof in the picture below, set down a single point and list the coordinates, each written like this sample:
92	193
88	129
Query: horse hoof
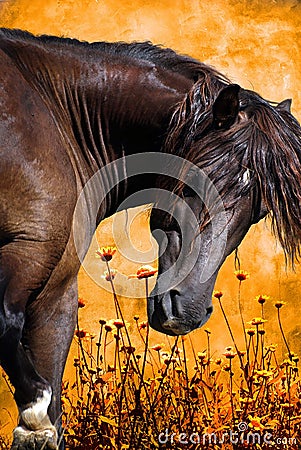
35	440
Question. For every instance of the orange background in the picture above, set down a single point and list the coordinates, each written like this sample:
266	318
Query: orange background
255	43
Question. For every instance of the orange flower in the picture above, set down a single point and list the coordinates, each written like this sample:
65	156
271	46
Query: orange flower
109	275
279	304
80	334
128	349
81	303
144	272
143	325
118	324
106	253
218	294
241	275
157	347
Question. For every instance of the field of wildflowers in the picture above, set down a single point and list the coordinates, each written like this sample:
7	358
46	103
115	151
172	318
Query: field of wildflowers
123	398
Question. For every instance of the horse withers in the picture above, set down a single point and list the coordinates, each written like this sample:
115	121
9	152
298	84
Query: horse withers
69	110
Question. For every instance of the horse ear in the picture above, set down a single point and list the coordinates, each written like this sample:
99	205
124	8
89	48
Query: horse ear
285	105
226	106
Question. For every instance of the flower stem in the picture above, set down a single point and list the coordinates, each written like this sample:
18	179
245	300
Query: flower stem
282	333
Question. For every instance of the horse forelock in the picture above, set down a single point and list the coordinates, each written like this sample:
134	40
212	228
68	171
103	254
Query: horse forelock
267	145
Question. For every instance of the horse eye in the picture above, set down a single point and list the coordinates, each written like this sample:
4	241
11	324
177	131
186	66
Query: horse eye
188	192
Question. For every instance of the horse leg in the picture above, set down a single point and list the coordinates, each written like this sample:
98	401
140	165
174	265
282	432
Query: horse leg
32	391
49	341
20	306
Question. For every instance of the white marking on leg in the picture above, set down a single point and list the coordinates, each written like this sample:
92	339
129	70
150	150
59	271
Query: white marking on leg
35	416
24	438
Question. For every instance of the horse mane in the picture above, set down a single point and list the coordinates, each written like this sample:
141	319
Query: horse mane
139	51
268	144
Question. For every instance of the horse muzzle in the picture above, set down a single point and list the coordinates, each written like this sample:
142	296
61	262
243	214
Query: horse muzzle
170	314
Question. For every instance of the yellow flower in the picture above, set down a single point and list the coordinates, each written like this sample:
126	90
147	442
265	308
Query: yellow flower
246	400
202	355
279	304
255	423
116	324
241	275
218	294
106	253
257	321
229	353
251	331
264	373
262	299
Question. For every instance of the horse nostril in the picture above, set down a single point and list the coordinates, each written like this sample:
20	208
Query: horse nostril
209	310
176	305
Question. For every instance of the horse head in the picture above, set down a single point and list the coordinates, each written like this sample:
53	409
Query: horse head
240	161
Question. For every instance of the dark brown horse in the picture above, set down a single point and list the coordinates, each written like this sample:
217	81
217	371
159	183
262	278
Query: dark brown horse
73	112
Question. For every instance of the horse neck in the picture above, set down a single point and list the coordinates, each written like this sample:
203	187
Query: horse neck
137	112
106	106
112	105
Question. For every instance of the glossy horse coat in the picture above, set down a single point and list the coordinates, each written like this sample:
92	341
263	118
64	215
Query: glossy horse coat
69	109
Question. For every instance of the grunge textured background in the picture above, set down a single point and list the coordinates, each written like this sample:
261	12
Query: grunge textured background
257	44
